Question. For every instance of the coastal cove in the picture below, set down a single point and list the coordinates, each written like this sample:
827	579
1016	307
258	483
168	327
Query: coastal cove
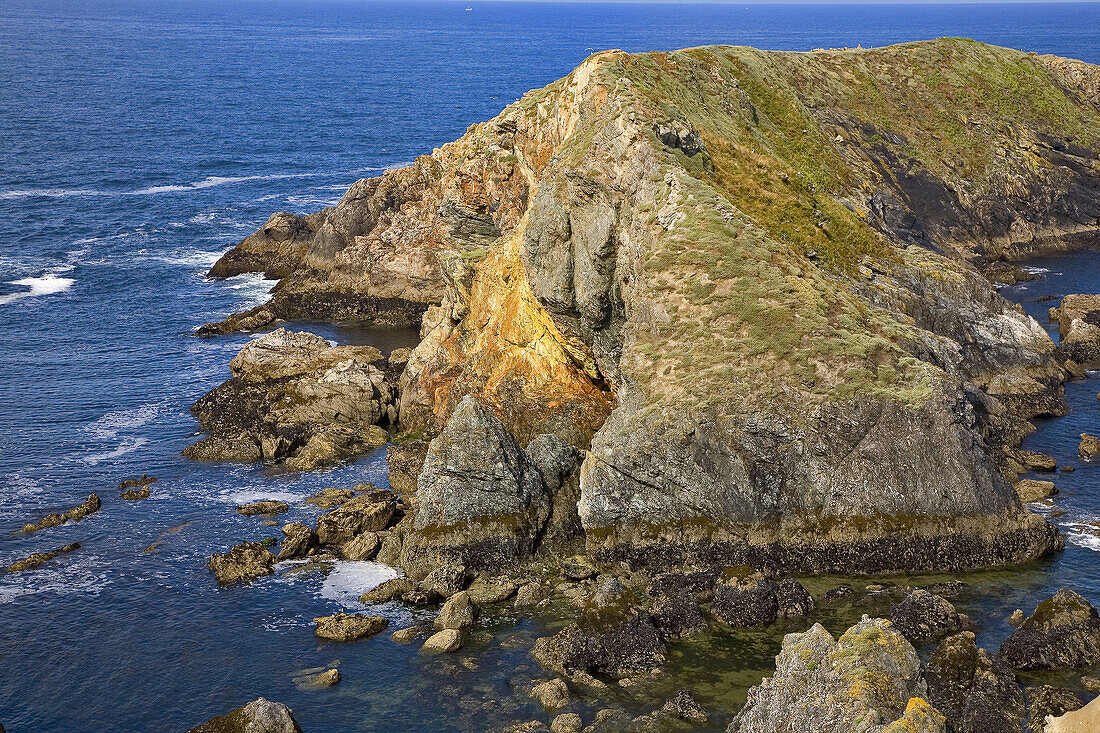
121	196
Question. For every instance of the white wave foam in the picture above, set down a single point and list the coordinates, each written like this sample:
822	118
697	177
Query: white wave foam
47	284
350	579
51	193
1035	270
1084	539
128	446
110	424
83	575
208	182
247	496
198	258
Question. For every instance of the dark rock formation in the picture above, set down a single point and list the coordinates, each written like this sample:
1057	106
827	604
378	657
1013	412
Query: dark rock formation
923	615
245	562
744	598
263	507
258	716
296	399
90	505
821	684
794	600
1063	633
615	647
678	615
685	707
975	691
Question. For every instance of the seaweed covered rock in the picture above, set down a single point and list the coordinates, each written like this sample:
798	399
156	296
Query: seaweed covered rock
616	647
794	600
869	679
295	398
258	716
480	501
922	615
976	692
1063	633
743	597
35	559
91	505
243	563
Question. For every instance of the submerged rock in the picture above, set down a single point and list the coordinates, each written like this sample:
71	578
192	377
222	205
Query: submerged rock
685	707
245	562
566	723
35	559
821	684
349	627
258	716
1063	633
443	642
551	694
294	398
923	615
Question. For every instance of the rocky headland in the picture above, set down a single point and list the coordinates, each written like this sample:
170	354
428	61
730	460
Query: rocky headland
691	323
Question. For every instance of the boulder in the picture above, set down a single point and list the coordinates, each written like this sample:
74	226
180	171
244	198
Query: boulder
349	627
35	559
1045	701
245	562
825	685
685	707
743	598
443	642
923	615
296	399
578	567
481	501
977	692
678	615
263	507
612	647
567	723
1034	461
365	513
1030	490
331	497
328	678
258	716
406	635
794	600
1063	633
446	580
551	694
1089	447
298	540
388	590
137	494
531	594
363	546
488	589
91	505
459	613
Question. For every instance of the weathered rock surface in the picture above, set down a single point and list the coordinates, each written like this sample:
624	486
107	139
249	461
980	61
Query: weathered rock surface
296	399
869	680
245	562
388	590
363	546
1063	633
1030	490
794	600
35	559
1085	720
331	497
744	597
922	615
551	694
459	613
135	489
976	692
258	716
443	642
298	540
370	512
480	499
1044	701
349	627
1089	447
685	707
768	331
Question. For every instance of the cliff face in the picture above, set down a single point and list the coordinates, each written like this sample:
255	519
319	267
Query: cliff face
745	283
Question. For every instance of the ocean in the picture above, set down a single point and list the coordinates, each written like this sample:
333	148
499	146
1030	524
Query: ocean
140	139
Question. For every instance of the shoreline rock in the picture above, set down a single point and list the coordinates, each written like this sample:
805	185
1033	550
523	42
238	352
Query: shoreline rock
258	716
242	564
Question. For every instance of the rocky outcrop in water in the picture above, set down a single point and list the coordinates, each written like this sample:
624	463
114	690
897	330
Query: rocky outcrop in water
258	716
349	627
243	563
976	691
747	291
91	505
869	680
1063	633
294	398
35	559
922	615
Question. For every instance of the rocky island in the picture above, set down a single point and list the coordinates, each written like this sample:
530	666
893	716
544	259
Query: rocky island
692	322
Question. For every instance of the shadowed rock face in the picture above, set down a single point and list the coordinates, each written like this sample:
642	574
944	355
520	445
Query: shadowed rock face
747	287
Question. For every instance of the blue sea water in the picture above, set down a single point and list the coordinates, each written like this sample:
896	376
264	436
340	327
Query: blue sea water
139	139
